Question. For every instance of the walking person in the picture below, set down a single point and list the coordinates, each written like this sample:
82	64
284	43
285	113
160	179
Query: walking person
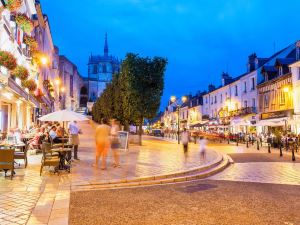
102	143
202	148
185	140
114	134
74	132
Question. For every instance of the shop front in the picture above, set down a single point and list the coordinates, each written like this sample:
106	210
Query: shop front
275	122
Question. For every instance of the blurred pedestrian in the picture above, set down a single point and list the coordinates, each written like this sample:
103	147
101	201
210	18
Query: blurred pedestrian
185	140
202	148
114	134
102	143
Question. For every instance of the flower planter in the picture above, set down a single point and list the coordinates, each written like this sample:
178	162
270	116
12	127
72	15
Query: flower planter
13	5
20	72
8	60
24	23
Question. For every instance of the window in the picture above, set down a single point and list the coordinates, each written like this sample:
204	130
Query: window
212	101
215	99
253	102
221	99
252	83
206	101
236	90
245	104
282	98
245	87
95	70
71	86
299	73
104	69
266	101
280	70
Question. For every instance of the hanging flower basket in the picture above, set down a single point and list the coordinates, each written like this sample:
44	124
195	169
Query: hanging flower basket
46	83
30	84
24	23
31	43
38	94
7	60
20	72
13	5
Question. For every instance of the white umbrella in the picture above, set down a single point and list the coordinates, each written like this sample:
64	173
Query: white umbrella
63	116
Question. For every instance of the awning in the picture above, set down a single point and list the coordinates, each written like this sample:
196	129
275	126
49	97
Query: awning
240	122
277	122
199	124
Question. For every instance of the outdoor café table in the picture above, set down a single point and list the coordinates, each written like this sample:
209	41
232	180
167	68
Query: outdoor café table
62	157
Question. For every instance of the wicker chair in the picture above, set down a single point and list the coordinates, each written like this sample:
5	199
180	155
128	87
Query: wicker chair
48	160
7	161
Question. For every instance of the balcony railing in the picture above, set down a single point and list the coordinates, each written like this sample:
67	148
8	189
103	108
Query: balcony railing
243	111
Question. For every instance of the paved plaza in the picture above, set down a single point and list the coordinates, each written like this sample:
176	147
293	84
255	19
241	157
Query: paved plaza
204	202
33	199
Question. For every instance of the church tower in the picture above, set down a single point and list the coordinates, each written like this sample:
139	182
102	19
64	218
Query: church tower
105	46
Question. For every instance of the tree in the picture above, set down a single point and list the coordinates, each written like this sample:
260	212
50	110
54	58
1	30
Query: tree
135	93
142	81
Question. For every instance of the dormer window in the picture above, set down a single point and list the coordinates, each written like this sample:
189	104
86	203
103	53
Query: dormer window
280	70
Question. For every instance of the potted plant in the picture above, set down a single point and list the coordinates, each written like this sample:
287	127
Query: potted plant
7	60
13	5
30	84
38	94
31	43
20	72
24	23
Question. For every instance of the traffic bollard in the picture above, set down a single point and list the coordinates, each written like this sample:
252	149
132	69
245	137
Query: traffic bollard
293	154
280	150
237	142
269	148
257	145
228	140
247	144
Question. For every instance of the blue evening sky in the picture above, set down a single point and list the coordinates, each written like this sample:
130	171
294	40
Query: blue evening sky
200	38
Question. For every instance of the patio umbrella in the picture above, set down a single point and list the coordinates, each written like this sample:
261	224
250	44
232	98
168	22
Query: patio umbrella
63	116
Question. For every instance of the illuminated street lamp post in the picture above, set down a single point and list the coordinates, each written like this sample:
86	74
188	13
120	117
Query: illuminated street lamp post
178	106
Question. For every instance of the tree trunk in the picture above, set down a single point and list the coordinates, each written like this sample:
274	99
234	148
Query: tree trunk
140	131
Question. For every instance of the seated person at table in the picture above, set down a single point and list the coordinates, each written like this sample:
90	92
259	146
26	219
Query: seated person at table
35	141
59	130
53	135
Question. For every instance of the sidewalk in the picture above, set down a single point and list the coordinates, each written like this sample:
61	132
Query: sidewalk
33	199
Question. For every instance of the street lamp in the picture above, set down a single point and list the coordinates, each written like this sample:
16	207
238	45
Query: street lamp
44	60
178	105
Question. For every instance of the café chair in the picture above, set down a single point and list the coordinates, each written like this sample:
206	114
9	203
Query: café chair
22	155
7	161
48	159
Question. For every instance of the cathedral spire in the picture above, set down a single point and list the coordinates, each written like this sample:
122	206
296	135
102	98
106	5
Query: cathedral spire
105	46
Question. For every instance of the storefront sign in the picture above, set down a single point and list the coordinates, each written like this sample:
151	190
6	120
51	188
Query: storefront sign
279	114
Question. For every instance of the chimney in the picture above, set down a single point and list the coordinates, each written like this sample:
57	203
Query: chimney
211	88
298	50
251	62
226	79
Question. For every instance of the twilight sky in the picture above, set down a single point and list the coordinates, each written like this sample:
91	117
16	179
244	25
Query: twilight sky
200	38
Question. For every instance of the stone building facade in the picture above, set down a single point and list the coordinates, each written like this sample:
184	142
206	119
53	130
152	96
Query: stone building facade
100	71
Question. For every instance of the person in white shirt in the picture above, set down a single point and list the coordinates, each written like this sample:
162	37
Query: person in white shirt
185	140
74	132
202	148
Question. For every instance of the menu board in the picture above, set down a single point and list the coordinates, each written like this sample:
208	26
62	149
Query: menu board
123	140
